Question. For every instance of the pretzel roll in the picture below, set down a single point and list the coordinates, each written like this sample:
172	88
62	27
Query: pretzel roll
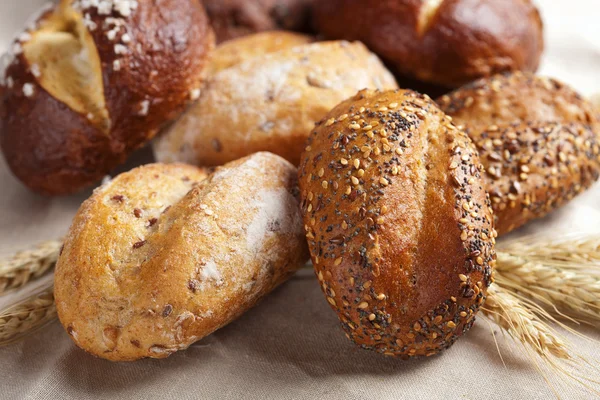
270	103
166	254
446	42
89	82
398	222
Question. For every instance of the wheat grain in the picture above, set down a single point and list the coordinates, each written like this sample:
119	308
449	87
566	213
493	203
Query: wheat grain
27	265
523	325
569	292
24	317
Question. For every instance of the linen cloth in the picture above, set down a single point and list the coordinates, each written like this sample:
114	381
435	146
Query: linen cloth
291	346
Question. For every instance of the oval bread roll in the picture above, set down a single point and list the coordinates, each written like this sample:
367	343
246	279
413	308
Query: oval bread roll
89	82
166	254
398	222
270	103
445	42
538	140
236	51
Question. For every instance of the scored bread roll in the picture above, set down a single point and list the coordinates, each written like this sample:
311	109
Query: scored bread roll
164	255
270	103
236	51
538	140
89	82
235	18
398	222
446	42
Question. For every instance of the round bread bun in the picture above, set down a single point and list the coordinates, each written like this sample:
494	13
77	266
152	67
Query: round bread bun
235	18
538	140
87	83
164	255
270	103
398	222
448	43
236	51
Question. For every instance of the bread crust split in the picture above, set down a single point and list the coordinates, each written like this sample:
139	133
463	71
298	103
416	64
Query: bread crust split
398	222
539	141
270	103
87	83
164	255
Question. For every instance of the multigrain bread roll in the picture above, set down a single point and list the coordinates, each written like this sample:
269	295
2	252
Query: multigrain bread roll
449	42
512	98
270	103
166	254
538	140
236	51
235	18
88	82
398	222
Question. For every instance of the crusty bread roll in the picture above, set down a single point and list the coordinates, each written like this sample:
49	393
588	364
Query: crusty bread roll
538	140
235	18
161	257
270	103
449	42
398	222
236	51
89	82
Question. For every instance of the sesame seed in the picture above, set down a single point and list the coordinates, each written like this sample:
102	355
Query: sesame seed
354	180
363	305
331	301
371	317
380	296
343	161
356	163
453	165
324	184
330	122
451	325
337	261
321	172
384	181
462	277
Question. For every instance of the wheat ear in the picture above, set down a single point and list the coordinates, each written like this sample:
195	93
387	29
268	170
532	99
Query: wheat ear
28	315
27	265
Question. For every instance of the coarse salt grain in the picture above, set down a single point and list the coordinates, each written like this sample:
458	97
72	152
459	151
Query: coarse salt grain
28	90
195	94
144	108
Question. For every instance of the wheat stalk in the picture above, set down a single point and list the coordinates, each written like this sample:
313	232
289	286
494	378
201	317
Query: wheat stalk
27	265
512	315
28	315
570	293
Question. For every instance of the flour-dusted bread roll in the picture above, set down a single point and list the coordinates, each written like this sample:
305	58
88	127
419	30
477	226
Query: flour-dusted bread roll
270	103
88	82
445	42
538	140
235	18
166	254
236	51
398	222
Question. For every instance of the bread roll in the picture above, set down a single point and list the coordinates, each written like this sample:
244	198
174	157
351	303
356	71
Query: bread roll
235	18
538	140
514	98
89	82
398	222
448	42
270	103
166	254
236	51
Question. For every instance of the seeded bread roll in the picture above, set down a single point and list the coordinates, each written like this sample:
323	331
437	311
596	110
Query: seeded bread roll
236	51
235	18
89	82
513	98
166	254
398	222
270	103
538	140
445	42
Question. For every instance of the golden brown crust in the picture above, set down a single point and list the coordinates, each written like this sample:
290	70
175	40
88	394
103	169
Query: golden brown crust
447	42
55	148
235	18
270	103
538	141
398	222
166	254
236	51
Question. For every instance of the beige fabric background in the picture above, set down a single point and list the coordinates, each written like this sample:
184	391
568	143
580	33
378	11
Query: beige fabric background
290	346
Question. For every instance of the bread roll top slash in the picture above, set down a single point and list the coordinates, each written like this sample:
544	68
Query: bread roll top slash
166	254
398	222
